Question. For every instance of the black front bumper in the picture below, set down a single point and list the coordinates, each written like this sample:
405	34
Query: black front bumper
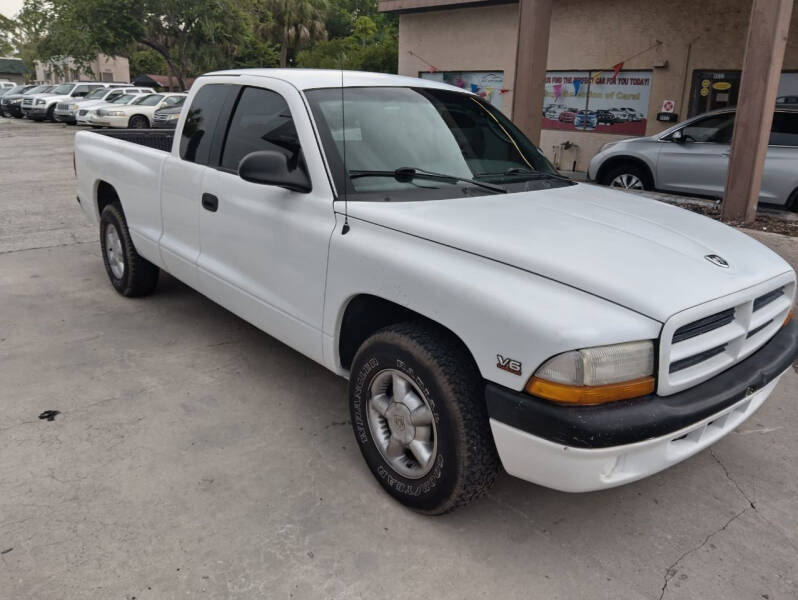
638	419
15	110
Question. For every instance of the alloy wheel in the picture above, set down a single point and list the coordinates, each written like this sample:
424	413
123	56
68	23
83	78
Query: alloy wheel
402	424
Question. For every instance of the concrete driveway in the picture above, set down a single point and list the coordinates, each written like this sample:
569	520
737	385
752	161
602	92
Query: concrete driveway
195	456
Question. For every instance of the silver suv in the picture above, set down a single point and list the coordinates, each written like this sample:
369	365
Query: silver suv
693	158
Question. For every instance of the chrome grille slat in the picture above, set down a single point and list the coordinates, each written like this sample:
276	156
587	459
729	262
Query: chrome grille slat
700	342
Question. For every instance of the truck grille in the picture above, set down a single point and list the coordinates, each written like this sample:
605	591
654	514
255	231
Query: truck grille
27	102
700	342
62	106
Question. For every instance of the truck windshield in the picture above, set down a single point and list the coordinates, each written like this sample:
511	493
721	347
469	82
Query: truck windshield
392	131
38	89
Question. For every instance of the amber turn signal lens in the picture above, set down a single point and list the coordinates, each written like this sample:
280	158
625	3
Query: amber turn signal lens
788	319
586	395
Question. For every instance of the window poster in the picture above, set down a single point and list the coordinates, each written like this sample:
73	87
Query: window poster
597	101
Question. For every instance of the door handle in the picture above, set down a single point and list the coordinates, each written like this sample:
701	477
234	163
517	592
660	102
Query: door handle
210	202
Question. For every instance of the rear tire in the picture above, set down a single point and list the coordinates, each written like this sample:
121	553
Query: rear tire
130	274
138	122
628	176
418	412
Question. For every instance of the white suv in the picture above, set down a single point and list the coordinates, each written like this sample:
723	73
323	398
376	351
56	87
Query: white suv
42	106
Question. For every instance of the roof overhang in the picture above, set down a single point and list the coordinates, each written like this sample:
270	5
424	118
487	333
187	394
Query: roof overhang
408	6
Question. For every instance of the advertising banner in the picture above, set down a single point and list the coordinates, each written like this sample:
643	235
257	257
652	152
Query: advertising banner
597	101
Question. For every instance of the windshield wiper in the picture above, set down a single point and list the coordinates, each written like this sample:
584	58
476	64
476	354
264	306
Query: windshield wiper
527	173
407	174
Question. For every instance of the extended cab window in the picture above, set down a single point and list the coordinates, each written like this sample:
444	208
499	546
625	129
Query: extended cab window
203	114
261	121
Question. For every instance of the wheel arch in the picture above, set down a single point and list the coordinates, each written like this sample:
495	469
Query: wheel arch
105	194
625	159
365	314
792	201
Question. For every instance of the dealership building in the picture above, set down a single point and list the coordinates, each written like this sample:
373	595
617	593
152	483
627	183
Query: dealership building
614	67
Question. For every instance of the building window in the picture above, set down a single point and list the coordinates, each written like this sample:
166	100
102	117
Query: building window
597	101
487	84
107	76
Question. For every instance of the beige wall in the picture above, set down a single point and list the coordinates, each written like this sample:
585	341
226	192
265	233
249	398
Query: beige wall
591	34
103	68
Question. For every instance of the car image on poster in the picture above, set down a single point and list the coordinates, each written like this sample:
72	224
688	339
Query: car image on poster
603	103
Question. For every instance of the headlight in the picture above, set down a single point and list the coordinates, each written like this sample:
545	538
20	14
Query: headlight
596	375
607	146
17	101
40	101
113	113
72	106
173	117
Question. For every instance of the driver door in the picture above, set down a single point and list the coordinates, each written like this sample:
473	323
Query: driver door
263	248
697	164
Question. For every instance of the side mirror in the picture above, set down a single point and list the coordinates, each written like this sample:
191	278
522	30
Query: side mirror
271	168
678	137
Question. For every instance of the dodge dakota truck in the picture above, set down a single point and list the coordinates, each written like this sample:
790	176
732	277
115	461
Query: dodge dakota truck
485	310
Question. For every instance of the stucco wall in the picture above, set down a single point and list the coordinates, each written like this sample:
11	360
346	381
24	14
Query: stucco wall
591	34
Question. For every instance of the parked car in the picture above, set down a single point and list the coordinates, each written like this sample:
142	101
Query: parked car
568	115
70	112
586	119
99	116
11	103
6	85
788	100
5	90
621	116
693	158
554	111
137	114
471	330
167	118
633	114
42	106
605	117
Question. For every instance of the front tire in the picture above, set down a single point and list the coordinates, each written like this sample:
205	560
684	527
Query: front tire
627	177
138	122
418	412
130	274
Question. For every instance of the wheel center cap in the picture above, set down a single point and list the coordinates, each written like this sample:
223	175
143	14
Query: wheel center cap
399	422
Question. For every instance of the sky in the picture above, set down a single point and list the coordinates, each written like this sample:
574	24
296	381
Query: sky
10	7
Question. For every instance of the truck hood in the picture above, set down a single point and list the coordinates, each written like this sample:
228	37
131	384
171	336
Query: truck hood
640	253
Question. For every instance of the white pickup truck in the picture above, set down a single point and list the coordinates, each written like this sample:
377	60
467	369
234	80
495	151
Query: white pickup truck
407	236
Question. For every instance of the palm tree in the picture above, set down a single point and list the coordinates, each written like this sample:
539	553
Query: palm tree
297	23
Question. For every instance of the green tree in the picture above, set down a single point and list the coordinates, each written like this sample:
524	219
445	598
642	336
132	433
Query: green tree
190	35
146	61
7	29
296	23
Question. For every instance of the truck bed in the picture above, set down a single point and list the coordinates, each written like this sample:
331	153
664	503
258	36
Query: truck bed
159	139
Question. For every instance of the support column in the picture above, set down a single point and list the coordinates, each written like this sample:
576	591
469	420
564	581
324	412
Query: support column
534	28
764	57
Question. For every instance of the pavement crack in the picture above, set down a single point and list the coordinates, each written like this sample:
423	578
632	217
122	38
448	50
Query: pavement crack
732	479
2	252
670	572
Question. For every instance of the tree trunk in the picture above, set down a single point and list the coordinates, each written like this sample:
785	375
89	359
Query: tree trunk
284	50
168	58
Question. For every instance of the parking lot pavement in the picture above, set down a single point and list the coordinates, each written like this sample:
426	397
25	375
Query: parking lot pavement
196	456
